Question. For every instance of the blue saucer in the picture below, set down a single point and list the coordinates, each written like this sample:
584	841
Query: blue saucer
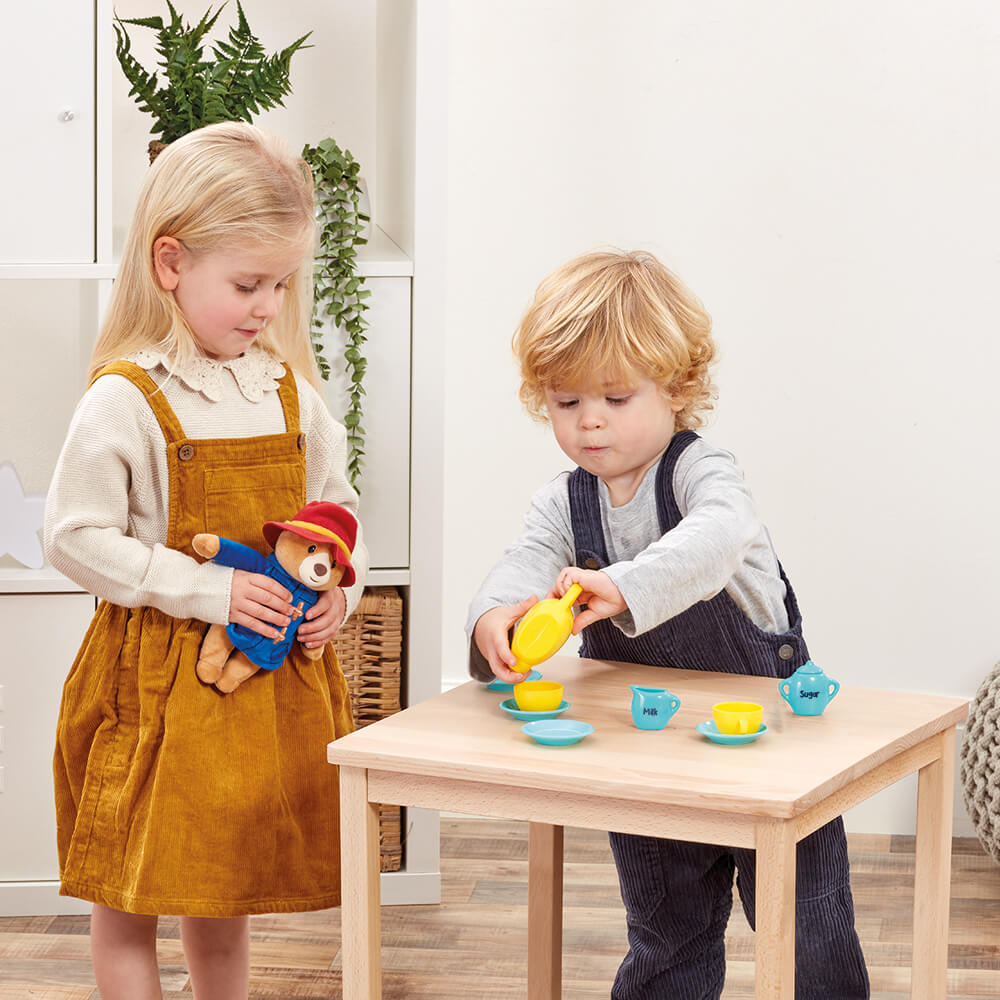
557	732
499	685
728	739
510	707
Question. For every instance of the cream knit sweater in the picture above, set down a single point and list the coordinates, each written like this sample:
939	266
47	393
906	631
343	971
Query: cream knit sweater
106	510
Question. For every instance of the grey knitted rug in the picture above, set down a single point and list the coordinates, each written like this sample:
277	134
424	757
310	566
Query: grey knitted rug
980	763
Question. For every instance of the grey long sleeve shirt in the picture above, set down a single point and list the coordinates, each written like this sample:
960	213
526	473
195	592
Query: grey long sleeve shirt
719	544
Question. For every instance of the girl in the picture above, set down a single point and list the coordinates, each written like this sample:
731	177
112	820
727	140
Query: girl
202	415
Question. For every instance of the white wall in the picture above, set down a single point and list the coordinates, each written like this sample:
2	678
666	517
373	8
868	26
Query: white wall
824	176
332	95
331	82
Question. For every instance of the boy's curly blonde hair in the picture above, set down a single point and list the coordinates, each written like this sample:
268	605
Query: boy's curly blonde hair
623	314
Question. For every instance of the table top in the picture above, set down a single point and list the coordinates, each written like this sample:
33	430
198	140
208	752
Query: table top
463	735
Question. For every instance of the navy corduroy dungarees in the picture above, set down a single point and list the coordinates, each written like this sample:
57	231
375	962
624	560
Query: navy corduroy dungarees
678	895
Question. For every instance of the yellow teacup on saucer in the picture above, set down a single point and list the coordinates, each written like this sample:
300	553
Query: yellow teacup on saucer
538	696
737	718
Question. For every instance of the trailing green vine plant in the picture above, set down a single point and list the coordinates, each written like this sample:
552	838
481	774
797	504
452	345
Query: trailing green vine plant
338	290
238	82
235	82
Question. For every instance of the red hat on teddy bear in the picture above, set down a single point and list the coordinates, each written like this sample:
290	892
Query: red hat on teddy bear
324	522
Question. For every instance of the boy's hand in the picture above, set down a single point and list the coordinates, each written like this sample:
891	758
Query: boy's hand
602	597
259	603
491	636
323	619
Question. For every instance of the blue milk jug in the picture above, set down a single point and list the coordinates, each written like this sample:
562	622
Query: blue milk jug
652	708
808	690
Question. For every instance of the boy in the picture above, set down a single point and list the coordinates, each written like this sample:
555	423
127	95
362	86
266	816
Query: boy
660	531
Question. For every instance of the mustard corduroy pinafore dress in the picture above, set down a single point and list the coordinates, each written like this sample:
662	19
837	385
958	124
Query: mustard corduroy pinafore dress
172	798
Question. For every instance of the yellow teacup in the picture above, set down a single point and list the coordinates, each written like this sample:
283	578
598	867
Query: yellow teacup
737	718
538	696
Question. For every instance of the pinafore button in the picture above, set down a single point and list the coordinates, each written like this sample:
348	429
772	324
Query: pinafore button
786	652
185	453
591	563
301	442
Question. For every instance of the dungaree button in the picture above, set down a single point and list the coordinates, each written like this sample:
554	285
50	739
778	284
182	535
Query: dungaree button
591	563
302	441
185	453
786	652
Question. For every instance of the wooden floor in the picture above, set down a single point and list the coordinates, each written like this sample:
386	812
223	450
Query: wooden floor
473	944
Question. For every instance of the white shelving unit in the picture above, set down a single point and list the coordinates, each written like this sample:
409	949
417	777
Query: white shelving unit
43	616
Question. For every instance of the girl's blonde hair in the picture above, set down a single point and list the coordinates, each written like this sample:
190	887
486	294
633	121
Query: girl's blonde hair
222	187
622	314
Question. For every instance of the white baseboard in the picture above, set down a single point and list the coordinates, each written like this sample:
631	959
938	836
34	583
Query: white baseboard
28	899
894	809
410	888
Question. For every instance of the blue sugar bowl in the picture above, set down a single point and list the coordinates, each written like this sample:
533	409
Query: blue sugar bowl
808	690
652	708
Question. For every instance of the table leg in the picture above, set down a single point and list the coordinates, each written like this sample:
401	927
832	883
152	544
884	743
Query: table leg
932	881
545	884
774	954
360	917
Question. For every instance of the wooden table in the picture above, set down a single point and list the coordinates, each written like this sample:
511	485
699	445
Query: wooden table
459	752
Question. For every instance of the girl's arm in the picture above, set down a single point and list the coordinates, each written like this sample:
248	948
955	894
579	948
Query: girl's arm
326	479
253	589
104	484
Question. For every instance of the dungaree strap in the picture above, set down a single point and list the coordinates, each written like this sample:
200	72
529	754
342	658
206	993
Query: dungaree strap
585	505
172	429
289	396
666	503
171	426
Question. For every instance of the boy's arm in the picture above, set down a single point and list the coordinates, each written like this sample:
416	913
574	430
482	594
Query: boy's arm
489	651
528	567
693	562
600	595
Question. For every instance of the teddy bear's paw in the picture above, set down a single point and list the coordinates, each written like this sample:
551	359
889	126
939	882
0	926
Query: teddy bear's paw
209	671
228	684
238	668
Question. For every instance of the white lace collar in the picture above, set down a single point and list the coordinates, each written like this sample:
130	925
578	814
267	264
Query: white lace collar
255	372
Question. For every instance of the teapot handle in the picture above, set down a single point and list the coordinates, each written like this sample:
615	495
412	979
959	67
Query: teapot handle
785	690
572	593
835	685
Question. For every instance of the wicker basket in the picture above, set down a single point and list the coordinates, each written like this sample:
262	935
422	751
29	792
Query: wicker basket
369	648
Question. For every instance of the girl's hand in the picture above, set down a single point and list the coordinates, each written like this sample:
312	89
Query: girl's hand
602	597
259	603
491	636
323	619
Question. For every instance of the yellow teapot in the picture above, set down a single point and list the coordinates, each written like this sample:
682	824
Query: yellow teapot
543	630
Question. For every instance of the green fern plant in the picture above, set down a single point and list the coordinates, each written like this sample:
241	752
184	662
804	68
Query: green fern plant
338	290
239	80
234	83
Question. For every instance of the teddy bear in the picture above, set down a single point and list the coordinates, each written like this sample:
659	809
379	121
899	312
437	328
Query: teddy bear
311	553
